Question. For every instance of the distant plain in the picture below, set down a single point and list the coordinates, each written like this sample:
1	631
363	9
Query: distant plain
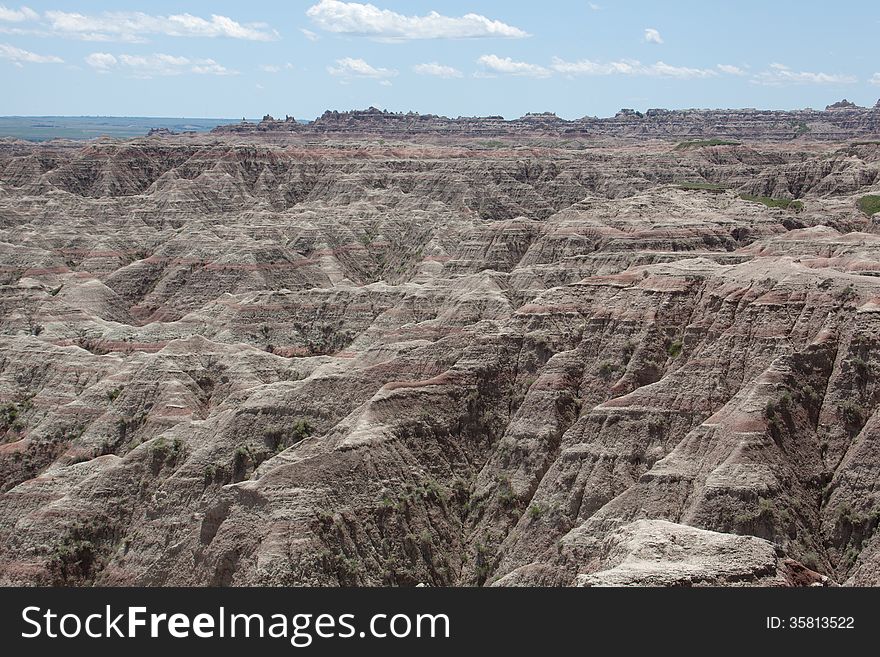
44	128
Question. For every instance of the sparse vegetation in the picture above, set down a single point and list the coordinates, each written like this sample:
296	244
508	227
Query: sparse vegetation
811	560
851	414
774	410
606	370
72	560
165	451
861	368
846	294
300	430
506	495
768	514
241	455
92	344
703	186
278	440
701	143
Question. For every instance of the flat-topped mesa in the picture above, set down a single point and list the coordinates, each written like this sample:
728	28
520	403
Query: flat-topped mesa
839	121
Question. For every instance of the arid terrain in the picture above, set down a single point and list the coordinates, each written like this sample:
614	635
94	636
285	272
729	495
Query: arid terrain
385	349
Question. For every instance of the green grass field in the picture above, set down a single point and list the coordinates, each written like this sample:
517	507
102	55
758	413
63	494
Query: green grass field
870	204
784	203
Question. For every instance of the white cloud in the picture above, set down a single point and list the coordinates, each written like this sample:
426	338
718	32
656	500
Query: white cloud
875	79
629	67
349	67
780	74
20	56
652	35
308	34
507	66
137	26
730	69
437	70
355	18
662	69
593	6
101	61
276	68
159	64
17	15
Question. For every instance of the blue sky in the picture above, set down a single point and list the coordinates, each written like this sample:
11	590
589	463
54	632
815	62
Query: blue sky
455	57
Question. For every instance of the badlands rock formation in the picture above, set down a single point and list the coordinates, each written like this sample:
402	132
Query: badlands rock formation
347	356
839	121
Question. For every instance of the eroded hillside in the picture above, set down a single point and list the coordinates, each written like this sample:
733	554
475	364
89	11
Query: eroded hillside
226	361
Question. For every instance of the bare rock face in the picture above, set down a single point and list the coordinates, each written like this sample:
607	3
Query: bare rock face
662	553
401	349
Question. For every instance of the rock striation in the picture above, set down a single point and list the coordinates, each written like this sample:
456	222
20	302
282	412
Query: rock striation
310	356
840	121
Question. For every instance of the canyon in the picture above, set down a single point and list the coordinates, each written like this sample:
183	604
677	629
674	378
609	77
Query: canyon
401	349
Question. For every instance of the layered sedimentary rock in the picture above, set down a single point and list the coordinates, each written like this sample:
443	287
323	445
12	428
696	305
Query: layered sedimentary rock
838	121
231	360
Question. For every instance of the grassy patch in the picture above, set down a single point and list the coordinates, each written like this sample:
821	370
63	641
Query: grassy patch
770	202
870	204
700	143
9	417
703	186
801	129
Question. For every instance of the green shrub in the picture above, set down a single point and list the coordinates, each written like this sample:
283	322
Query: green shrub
674	349
846	294
300	431
606	370
163	450
506	496
851	414
811	560
861	368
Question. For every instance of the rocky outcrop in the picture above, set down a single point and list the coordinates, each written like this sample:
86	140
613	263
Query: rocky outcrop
661	553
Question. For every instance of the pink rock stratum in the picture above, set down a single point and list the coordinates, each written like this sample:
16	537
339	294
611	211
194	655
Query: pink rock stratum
369	353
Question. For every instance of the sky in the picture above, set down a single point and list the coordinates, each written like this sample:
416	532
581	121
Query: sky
224	59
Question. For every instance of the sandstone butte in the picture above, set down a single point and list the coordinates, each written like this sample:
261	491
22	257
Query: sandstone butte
395	349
